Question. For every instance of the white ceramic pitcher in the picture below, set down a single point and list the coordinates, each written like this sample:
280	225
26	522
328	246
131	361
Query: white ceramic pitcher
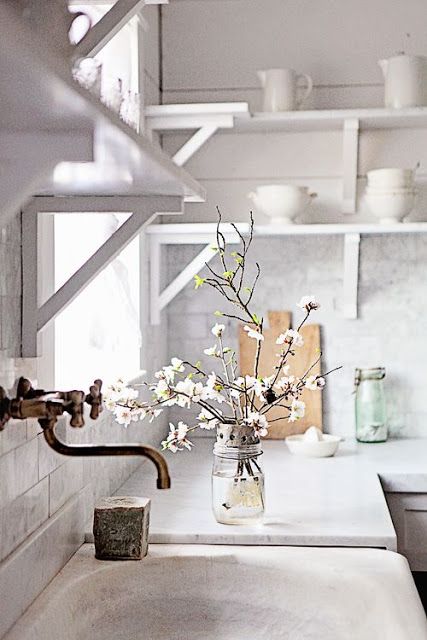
405	81
281	89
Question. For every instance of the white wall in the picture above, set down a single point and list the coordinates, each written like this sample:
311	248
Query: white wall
212	50
47	499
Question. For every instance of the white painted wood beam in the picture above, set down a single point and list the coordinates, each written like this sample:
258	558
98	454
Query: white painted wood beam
92	267
146	213
29	284
104	30
351	275
194	144
182	121
186	275
30	158
350	160
160	299
92	204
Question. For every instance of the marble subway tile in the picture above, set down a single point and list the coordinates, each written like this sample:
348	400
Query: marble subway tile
45	552
22	516
18	471
48	459
13	435
64	482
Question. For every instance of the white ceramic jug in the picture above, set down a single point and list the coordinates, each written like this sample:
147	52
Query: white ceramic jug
280	89
405	81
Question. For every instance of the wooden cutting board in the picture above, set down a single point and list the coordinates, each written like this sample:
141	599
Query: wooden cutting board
279	321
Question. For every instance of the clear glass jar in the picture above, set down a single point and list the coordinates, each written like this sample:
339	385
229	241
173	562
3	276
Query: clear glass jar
238	492
370	406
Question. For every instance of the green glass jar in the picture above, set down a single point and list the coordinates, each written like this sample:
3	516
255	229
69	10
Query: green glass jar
370	406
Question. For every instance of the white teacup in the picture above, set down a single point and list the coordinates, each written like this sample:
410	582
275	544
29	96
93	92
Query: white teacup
281	202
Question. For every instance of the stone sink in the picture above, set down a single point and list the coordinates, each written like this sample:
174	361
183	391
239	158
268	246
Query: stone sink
189	592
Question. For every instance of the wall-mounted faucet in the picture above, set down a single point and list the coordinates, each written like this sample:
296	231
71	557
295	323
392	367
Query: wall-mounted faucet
46	406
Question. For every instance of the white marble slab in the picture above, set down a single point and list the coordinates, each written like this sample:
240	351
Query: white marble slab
313	502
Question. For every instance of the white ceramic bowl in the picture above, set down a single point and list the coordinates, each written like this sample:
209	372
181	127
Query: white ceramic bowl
390	208
281	202
324	448
390	177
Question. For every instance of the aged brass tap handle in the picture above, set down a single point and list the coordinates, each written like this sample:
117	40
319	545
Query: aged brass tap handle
46	406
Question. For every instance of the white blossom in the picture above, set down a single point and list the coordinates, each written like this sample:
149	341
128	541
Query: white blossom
188	391
297	410
256	335
211	351
218	329
309	303
311	383
207	420
285	382
211	391
258	422
246	383
177	438
291	336
178	365
314	382
123	415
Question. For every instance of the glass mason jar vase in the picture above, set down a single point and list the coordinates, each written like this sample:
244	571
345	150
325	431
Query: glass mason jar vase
238	495
371	419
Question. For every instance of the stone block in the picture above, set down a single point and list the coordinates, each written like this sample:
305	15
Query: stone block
120	528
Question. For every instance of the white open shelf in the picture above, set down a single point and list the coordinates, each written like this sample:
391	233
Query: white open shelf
201	230
333	119
46	118
205	233
351	121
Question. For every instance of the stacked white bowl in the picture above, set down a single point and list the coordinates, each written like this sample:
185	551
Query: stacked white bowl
390	194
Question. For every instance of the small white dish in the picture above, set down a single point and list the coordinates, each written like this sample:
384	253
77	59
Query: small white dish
324	448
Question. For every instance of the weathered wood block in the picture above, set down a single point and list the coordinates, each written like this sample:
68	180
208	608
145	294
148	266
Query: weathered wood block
120	528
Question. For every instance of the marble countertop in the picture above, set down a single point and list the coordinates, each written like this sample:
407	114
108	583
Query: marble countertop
313	502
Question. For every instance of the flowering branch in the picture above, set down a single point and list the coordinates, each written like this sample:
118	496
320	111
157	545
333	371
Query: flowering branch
247	399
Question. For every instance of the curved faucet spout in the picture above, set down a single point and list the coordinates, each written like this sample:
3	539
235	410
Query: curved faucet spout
47	406
163	478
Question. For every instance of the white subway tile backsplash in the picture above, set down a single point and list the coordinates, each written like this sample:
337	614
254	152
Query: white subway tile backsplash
18	471
14	435
48	459
22	516
390	330
64	482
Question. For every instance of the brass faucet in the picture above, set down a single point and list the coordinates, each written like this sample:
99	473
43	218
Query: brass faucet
46	406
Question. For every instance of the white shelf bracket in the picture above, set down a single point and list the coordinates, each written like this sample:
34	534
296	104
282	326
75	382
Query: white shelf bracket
160	299
35	316
206	119
194	144
351	274
350	161
109	25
